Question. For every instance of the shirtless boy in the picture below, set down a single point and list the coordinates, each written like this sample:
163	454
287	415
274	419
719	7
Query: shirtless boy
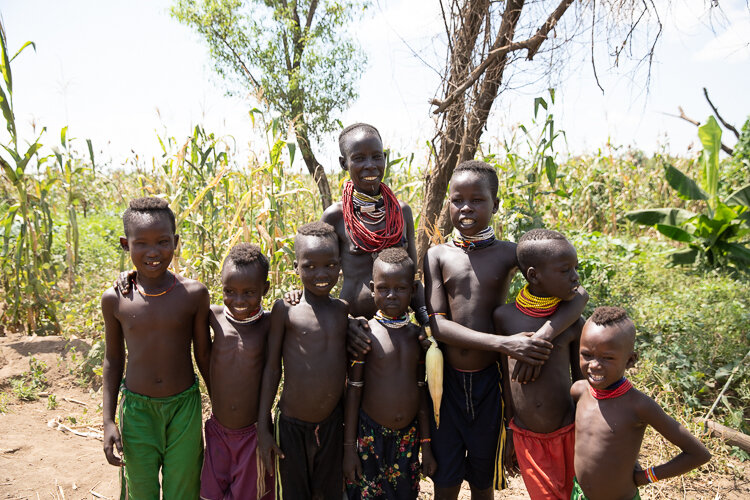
367	220
311	339
465	281
383	435
542	411
160	409
238	353
611	416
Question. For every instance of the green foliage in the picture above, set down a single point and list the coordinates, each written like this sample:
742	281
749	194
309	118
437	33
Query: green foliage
4	402
27	386
717	237
296	56
51	402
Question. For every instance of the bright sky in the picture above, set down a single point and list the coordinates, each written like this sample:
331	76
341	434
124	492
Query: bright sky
121	72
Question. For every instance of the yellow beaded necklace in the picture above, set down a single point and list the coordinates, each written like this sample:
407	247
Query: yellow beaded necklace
538	307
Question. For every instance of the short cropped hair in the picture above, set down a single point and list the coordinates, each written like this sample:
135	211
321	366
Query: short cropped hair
529	254
353	127
246	254
609	315
317	228
480	168
397	255
144	207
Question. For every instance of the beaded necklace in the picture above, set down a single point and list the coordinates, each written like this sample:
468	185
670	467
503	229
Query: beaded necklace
537	307
255	316
370	209
482	239
364	238
144	294
613	391
389	322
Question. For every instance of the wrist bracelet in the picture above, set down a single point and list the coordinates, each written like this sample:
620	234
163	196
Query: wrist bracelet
352	383
425	440
350	444
650	475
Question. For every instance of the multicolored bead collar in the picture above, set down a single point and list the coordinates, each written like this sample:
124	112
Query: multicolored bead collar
389	322
482	239
255	316
613	391
537	307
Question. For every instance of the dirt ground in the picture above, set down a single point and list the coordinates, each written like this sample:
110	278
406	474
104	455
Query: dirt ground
38	461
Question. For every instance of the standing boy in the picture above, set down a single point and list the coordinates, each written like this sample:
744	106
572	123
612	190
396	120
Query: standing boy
160	409
611	416
465	281
231	466
311	339
542	411
383	435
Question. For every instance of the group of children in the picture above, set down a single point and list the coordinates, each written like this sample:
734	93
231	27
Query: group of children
526	385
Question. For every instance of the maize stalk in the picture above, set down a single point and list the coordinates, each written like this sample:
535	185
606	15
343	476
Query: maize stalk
434	375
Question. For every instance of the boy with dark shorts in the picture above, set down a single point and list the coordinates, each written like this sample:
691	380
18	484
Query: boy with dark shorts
541	413
611	416
311	339
465	281
160	408
367	220
383	435
231	468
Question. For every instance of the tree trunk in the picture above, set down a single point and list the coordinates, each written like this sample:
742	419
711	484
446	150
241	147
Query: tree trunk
315	168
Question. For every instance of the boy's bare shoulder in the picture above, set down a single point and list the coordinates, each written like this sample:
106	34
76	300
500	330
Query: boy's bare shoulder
405	208
192	286
333	213
216	311
504	313
341	305
578	388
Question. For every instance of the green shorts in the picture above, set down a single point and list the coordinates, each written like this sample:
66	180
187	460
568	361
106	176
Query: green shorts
161	434
577	493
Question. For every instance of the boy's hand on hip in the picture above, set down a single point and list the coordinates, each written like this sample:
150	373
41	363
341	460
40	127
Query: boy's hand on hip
523	347
112	440
267	447
357	340
352	464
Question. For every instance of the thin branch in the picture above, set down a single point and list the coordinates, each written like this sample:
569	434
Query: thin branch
683	116
716	112
593	61
532	44
238	58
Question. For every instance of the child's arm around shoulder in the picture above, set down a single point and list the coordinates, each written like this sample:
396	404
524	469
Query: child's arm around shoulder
693	453
201	331
112	370
267	446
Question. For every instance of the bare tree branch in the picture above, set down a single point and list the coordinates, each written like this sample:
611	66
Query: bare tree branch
683	116
532	44
238	58
716	112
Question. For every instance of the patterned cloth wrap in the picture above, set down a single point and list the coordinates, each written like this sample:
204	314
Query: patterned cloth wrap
390	461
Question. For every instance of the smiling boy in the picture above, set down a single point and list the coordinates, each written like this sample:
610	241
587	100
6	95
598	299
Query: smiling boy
612	416
542	410
465	281
160	409
238	354
311	339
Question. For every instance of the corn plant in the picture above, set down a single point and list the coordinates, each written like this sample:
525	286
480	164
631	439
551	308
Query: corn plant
28	270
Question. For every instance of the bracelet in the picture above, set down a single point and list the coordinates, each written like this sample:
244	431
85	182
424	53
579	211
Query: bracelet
352	383
436	314
650	475
420	383
350	444
357	362
425	440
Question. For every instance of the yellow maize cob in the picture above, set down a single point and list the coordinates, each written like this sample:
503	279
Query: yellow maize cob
434	375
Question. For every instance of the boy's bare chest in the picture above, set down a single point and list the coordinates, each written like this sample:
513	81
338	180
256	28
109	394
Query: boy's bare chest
313	332
395	348
467	272
247	344
159	314
608	420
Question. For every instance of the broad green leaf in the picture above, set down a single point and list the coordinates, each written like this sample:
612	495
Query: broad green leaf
736	251
292	147
8	114
63	135
739	197
5	62
685	257
686	187
18	52
653	216
674	233
539	101
550	168
724	213
710	136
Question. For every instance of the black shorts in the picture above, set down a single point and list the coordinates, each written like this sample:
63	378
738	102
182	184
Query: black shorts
312	467
469	443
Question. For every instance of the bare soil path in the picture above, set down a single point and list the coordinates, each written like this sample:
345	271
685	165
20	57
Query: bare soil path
38	461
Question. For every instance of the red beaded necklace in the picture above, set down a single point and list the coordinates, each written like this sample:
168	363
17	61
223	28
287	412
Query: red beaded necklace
619	388
366	239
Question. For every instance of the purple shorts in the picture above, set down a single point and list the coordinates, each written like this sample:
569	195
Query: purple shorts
230	465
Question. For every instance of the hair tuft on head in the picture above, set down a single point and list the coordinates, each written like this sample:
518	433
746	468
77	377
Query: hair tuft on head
529	253
396	255
246	254
608	315
144	207
316	228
